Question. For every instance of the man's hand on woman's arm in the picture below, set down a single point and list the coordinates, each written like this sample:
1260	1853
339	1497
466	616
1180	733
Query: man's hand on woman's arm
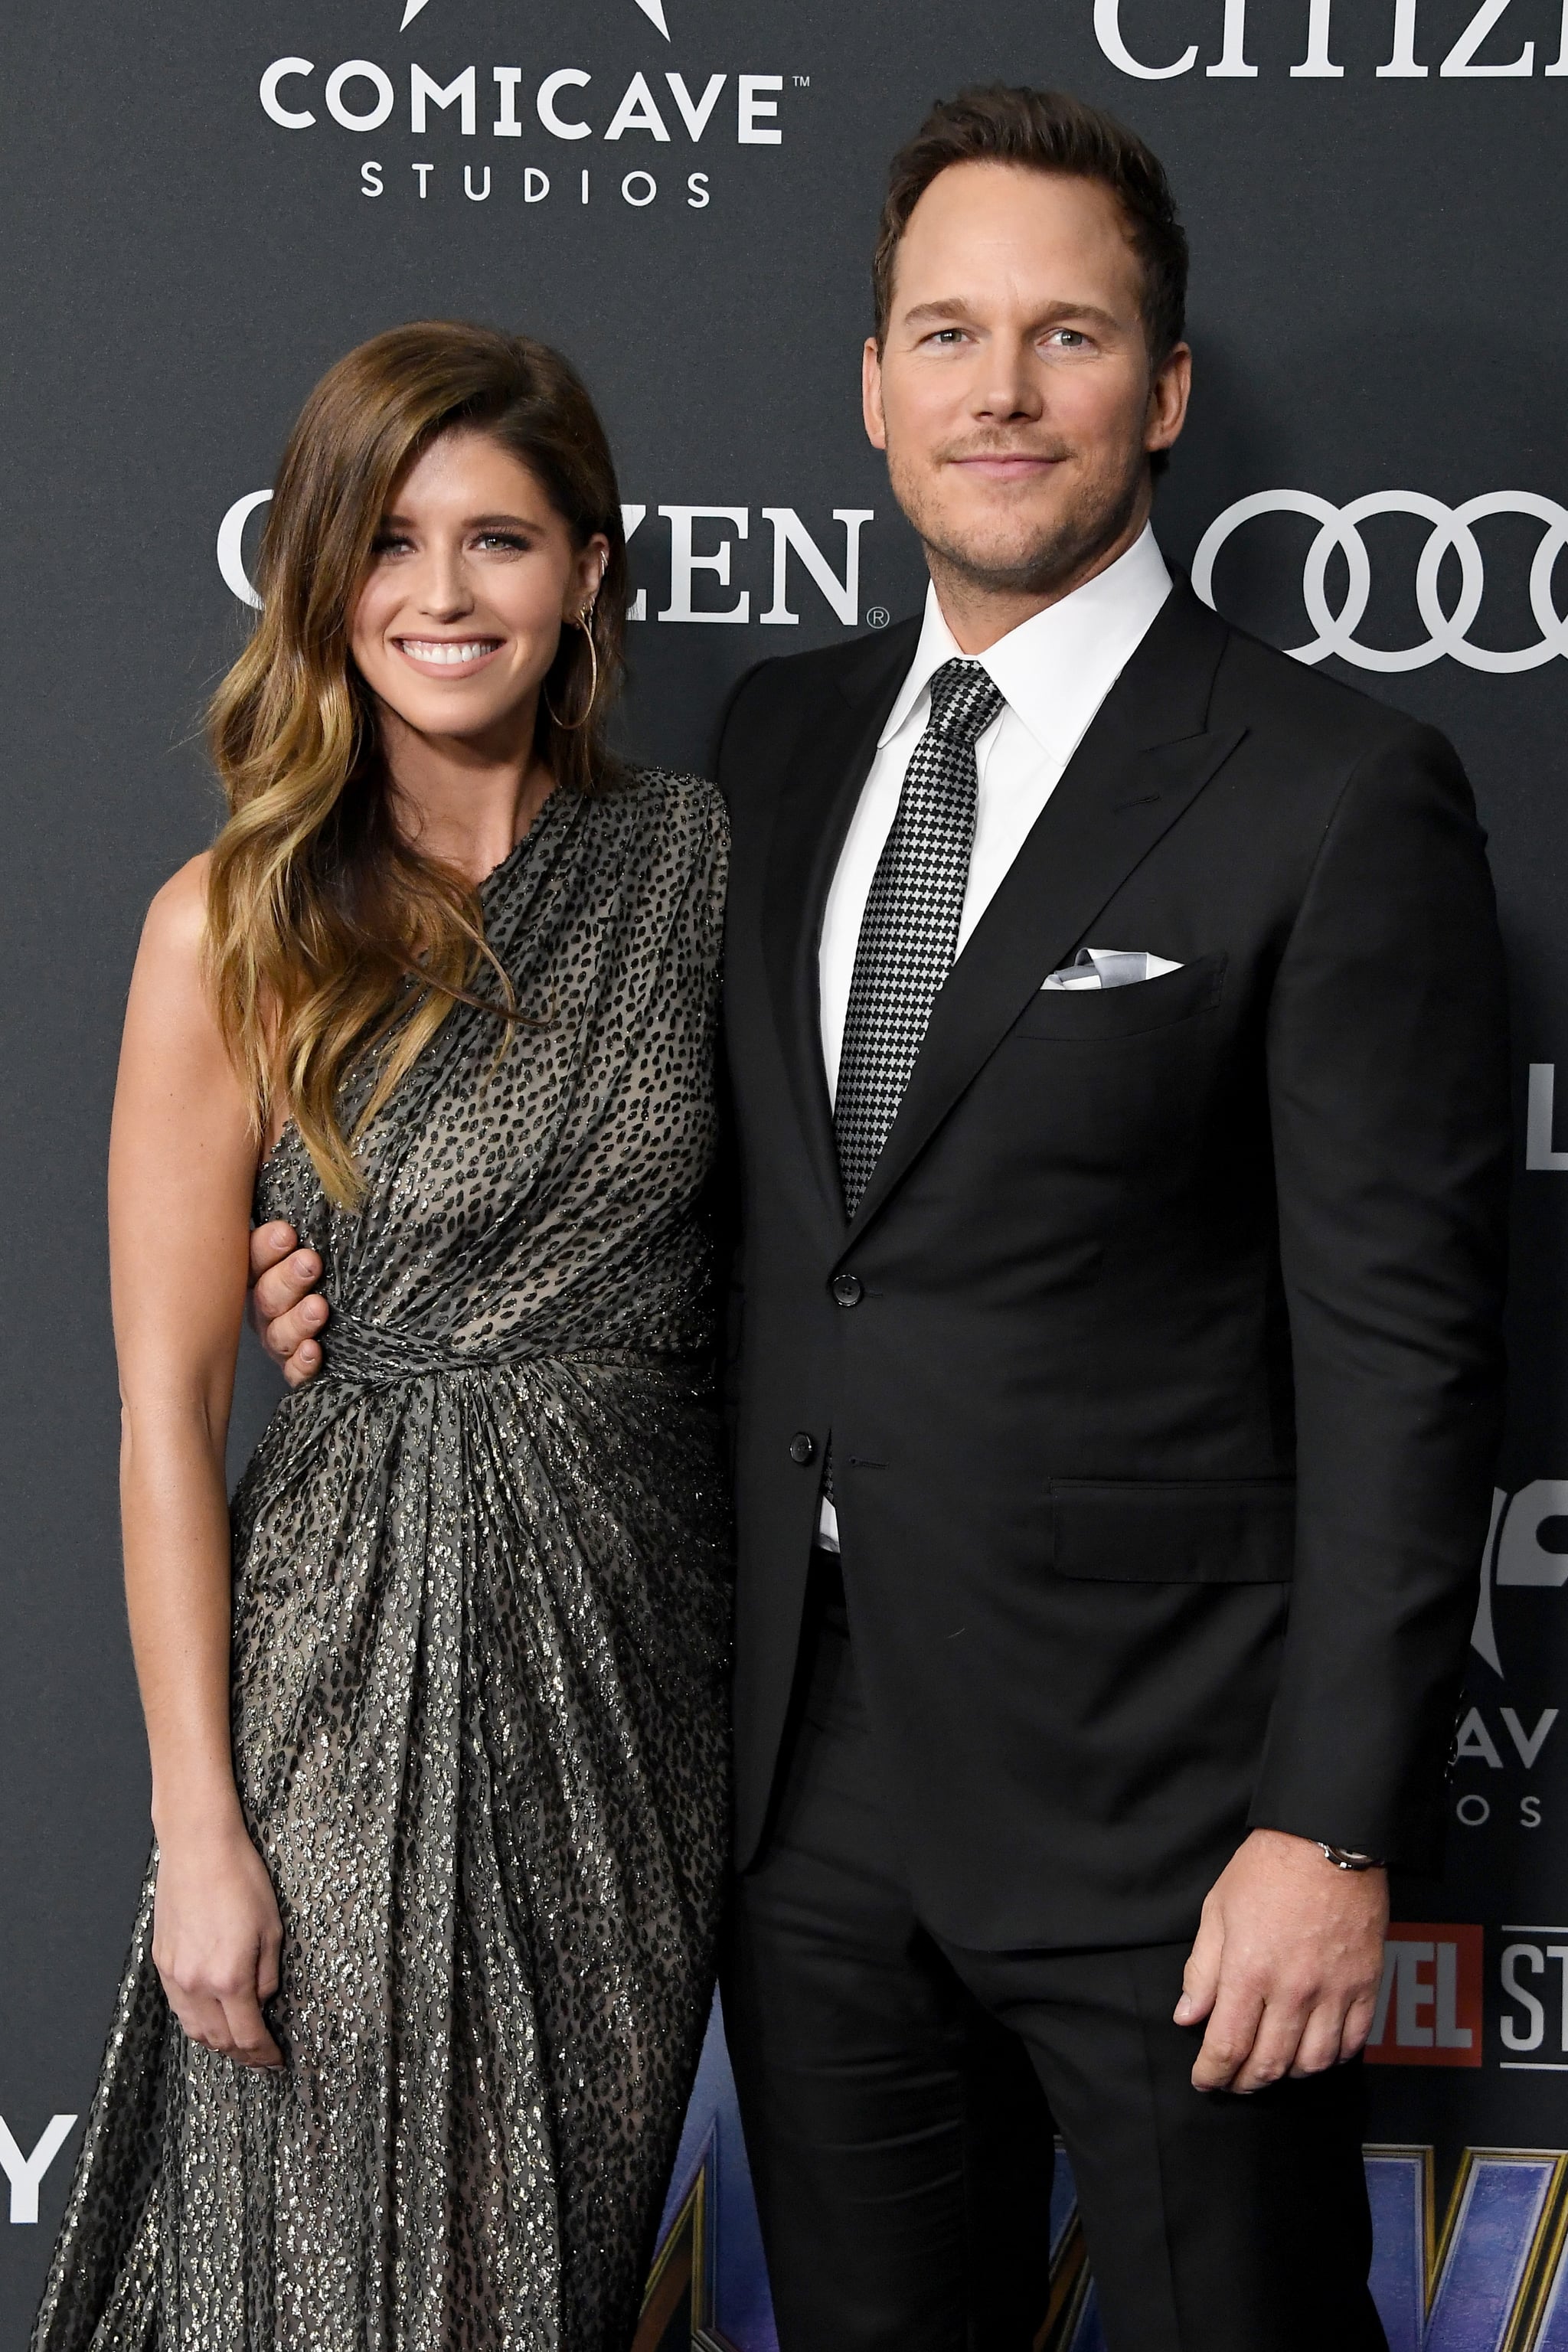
287	1311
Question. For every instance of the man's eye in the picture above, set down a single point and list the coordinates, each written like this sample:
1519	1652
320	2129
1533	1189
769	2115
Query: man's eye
1072	339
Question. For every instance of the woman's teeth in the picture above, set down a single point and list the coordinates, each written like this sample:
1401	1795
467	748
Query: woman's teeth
445	653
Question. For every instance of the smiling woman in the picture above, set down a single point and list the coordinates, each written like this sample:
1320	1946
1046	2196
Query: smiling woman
434	471
418	1983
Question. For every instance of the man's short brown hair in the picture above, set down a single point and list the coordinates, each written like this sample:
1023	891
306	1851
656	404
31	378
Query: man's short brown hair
1045	130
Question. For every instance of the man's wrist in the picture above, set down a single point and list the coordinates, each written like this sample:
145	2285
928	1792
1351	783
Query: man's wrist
1340	1857
1345	1858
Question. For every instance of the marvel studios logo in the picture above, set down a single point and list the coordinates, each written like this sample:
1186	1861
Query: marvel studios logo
1433	2000
1534	1976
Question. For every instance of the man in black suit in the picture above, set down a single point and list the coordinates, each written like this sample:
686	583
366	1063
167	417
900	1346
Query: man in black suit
1116	1032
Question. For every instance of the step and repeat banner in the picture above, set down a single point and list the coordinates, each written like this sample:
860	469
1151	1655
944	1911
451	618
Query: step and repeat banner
206	201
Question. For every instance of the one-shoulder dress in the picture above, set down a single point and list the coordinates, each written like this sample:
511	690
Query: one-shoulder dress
480	1624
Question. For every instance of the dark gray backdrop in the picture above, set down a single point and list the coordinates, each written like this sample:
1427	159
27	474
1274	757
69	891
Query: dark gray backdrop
1378	309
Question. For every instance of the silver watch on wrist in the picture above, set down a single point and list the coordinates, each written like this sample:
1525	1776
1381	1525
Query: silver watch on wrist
1343	1859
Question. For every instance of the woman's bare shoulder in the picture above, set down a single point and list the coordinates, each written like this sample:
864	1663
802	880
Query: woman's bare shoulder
171	962
177	919
170	974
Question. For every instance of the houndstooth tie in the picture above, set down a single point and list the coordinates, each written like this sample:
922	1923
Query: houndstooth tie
908	934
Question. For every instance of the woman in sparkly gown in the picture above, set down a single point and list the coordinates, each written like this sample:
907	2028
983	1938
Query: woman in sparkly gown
421	1969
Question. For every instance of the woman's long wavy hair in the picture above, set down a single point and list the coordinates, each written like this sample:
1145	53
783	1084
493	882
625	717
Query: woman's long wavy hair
330	938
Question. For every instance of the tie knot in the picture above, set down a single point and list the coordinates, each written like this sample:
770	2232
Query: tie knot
963	700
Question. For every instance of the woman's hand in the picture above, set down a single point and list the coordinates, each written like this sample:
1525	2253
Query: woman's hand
217	1937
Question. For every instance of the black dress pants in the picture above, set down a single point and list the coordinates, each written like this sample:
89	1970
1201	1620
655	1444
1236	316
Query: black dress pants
901	2096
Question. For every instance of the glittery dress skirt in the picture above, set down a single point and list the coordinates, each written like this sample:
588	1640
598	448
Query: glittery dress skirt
481	1601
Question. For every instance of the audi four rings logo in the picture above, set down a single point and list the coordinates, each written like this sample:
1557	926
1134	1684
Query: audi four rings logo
1339	528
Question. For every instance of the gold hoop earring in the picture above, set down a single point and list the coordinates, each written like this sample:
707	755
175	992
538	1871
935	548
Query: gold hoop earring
585	622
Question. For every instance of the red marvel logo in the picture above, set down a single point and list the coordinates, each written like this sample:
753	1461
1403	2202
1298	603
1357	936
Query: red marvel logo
1429	2002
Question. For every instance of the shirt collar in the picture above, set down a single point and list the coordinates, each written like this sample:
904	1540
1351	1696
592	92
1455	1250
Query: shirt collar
1057	668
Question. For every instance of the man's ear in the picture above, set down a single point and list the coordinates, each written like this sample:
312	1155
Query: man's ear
1168	397
871	395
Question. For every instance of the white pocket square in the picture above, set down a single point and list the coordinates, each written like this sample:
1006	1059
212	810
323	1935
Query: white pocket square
1110	968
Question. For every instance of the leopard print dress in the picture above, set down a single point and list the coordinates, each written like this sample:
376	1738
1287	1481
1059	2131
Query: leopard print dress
480	1618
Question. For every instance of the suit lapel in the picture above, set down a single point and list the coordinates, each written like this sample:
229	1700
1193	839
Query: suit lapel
818	798
1144	760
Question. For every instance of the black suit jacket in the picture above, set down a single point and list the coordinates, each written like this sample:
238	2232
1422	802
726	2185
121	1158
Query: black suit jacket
1164	1410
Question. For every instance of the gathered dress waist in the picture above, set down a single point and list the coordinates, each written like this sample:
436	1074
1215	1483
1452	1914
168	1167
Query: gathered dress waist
373	1355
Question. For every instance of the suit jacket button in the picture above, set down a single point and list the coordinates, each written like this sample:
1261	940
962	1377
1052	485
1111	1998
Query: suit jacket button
803	1447
847	1290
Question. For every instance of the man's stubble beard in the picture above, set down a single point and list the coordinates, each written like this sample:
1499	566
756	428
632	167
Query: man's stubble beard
1059	557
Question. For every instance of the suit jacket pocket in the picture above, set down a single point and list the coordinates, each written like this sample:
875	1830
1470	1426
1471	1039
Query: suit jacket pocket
1091	1013
1174	1530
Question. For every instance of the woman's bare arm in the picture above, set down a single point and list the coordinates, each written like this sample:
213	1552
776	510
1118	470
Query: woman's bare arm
182	1166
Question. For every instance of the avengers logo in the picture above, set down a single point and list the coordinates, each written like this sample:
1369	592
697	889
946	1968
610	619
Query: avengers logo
1452	534
1491	2278
1475	2263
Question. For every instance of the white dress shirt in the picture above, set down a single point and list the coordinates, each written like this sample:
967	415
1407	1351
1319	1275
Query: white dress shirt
1053	672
